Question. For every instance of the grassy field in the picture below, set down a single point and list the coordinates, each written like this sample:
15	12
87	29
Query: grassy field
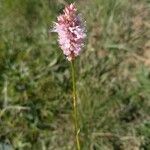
113	77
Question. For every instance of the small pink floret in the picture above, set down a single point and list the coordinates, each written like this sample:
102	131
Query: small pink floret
71	32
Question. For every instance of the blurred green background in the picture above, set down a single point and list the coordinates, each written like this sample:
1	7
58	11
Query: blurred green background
113	77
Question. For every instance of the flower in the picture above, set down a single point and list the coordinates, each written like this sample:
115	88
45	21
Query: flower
71	32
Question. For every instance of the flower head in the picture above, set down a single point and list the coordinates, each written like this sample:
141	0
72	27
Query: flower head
71	32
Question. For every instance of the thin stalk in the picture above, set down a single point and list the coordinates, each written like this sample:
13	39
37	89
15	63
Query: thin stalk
77	130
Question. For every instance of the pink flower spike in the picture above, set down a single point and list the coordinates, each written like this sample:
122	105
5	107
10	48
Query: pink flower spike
71	32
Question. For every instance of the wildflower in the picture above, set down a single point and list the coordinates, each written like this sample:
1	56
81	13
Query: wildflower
71	32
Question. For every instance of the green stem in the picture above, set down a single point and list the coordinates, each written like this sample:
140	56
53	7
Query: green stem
75	105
